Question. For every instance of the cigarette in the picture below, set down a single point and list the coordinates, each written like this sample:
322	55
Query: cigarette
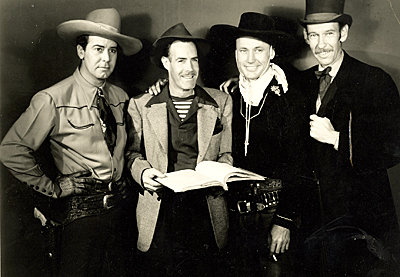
274	257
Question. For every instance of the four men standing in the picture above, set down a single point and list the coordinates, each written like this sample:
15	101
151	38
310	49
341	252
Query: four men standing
355	127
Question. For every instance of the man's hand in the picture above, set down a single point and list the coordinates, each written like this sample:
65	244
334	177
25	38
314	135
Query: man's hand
322	130
225	85
148	179
157	87
77	183
280	239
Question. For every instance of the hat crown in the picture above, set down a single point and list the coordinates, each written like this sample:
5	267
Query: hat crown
106	17
256	22
324	6
176	31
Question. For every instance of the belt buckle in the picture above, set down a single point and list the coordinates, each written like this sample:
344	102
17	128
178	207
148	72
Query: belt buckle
247	205
106	205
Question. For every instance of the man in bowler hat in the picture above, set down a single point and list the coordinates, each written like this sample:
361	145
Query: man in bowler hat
355	126
83	117
180	234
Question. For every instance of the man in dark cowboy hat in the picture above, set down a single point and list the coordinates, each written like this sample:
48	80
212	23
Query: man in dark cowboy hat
269	130
83	117
355	114
179	233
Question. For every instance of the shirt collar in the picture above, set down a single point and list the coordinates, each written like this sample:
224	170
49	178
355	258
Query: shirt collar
89	91
335	66
201	95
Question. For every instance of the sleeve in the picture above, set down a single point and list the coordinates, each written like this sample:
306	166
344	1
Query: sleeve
135	159
376	123
225	154
24	138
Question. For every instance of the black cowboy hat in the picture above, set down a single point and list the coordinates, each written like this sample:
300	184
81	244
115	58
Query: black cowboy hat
176	32
103	23
325	11
277	31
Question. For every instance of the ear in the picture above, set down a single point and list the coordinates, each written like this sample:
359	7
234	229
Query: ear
271	53
305	34
80	51
344	33
165	61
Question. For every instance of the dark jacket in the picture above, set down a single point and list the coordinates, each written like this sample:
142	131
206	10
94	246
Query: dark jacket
277	145
365	108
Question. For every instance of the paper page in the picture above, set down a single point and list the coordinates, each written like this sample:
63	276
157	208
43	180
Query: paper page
226	173
188	179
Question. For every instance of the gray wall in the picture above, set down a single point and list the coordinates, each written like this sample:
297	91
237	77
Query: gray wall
32	57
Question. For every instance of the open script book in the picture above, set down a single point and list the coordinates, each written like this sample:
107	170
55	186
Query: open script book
206	174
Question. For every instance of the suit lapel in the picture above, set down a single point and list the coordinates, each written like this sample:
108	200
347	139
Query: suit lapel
206	118
158	118
337	88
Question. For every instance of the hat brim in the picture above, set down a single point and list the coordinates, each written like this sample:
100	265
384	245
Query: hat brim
159	45
70	30
283	43
340	18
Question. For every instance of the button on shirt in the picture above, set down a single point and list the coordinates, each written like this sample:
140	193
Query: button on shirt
67	114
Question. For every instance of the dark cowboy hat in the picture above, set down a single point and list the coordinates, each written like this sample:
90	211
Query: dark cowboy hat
176	32
324	11
276	31
103	23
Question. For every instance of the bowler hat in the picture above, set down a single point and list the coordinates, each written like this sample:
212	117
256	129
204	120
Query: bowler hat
324	11
277	31
176	32
103	23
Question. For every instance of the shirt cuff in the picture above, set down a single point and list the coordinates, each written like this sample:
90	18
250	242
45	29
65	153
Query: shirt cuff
336	144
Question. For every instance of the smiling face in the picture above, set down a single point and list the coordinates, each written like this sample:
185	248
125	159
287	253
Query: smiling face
98	59
182	65
253	56
325	41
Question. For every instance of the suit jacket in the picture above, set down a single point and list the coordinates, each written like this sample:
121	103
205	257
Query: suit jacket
148	147
363	104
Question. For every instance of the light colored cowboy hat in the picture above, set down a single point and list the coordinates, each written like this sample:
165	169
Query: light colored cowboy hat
176	32
277	31
325	11
103	23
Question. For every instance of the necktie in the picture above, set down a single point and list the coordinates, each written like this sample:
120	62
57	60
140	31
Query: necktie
324	81
107	121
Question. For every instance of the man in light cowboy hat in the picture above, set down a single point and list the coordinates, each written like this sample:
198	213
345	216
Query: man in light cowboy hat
269	130
83	117
356	136
177	129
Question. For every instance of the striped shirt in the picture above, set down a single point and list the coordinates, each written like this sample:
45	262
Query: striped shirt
182	105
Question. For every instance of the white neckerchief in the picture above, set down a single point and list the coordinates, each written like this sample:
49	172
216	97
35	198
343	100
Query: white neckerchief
253	91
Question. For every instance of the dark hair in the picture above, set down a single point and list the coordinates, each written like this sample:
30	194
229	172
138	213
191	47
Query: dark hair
82	41
166	50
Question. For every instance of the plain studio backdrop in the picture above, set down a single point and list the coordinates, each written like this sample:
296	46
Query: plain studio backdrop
33	57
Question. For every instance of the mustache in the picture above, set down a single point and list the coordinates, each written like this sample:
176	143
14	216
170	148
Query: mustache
190	73
321	50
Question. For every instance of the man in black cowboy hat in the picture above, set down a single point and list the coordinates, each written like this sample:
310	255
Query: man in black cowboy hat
269	137
179	233
83	117
355	114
